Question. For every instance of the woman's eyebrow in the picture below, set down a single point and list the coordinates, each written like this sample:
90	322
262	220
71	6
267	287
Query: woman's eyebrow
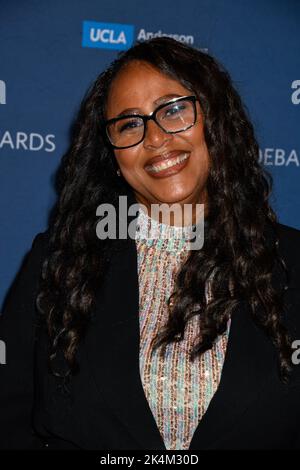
159	101
164	98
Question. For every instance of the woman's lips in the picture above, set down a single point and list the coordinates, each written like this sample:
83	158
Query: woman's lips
168	166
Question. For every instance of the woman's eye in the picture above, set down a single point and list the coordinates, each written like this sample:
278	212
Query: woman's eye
129	125
174	110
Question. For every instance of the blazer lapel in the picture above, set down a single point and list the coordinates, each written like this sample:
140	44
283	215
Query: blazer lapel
249	364
112	347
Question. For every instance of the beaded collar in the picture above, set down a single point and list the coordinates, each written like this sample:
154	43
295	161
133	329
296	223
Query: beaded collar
165	236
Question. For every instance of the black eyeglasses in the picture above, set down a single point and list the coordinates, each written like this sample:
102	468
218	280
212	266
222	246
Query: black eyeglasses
177	115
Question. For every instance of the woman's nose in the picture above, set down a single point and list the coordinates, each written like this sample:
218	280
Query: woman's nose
155	137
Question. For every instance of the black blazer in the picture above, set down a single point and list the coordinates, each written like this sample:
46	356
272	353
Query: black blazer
106	407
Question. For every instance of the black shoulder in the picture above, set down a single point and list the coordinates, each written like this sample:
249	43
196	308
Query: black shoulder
26	280
289	234
289	249
37	253
41	241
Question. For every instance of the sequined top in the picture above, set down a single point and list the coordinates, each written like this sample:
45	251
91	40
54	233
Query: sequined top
178	390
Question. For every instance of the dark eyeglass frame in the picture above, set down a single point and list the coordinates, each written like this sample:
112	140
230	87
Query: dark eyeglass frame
152	117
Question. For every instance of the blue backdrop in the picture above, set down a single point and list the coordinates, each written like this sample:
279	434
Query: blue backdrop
51	51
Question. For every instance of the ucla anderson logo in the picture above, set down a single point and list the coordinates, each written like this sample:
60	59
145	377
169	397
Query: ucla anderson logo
107	35
2	92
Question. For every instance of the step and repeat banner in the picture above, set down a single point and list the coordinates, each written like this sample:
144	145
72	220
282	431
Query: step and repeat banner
51	51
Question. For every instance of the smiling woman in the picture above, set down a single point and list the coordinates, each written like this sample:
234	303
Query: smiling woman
144	343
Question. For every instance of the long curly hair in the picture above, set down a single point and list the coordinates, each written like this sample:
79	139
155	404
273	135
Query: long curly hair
240	249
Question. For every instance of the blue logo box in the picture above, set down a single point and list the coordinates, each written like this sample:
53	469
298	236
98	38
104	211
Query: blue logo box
107	35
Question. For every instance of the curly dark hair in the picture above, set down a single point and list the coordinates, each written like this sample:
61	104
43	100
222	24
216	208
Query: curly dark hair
238	248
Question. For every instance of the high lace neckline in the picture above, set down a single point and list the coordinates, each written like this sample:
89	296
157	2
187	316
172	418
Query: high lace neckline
170	237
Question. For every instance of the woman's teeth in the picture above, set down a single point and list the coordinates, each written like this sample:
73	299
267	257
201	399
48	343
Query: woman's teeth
163	165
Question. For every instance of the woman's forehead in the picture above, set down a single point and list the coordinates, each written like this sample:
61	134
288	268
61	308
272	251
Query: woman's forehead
139	84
